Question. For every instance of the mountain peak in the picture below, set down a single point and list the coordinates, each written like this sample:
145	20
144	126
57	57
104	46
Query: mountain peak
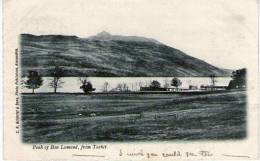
103	34
106	36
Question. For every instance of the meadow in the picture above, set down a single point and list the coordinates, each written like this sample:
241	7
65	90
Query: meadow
133	117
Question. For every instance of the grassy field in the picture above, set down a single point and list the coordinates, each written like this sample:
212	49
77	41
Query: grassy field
133	117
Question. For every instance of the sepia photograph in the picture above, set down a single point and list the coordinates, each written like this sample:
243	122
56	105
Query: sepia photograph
131	80
125	88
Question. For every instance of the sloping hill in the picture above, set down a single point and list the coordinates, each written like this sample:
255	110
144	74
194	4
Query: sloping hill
109	55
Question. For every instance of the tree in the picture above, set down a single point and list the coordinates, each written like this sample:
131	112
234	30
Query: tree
239	76
34	80
105	87
140	84
232	85
122	87
176	82
166	83
57	73
213	81
125	87
155	84
238	79
86	86
119	87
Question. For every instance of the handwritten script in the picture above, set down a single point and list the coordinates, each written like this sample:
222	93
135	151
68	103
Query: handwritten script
180	154
128	153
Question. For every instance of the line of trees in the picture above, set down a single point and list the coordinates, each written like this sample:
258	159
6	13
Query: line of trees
35	81
175	82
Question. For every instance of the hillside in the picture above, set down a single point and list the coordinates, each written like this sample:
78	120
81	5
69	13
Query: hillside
109	55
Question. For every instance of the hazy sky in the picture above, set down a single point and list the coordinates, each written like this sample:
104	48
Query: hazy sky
220	32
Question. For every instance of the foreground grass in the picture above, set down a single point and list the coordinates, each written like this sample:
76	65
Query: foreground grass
66	118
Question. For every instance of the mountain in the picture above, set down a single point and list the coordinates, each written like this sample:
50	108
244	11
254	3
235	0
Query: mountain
109	55
105	36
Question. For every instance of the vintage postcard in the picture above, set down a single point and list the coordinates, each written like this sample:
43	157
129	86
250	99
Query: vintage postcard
131	80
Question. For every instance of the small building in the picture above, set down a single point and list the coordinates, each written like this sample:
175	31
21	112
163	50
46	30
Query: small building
152	89
192	87
213	87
